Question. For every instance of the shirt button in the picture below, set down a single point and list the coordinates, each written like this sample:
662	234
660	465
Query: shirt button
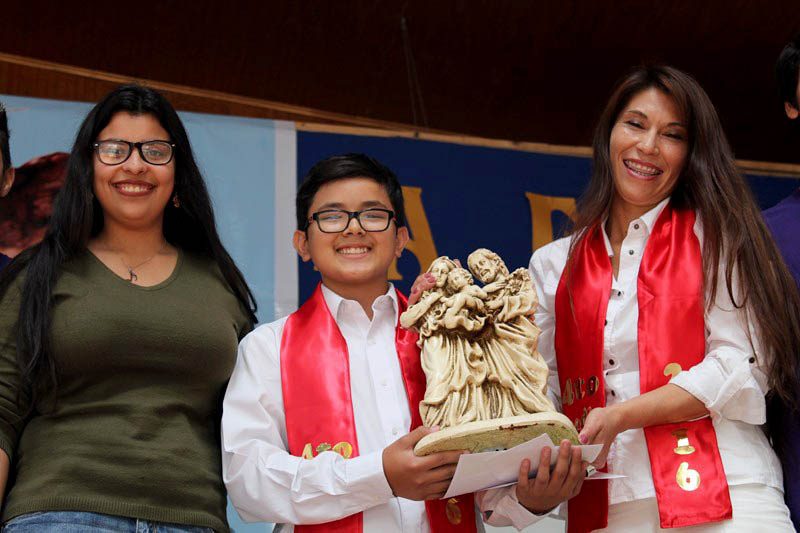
613	393
619	293
606	322
630	252
636	226
394	431
611	362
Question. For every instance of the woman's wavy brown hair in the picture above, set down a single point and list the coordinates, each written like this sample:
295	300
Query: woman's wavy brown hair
734	233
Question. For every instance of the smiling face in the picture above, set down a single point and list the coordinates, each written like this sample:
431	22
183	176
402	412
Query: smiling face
353	258
648	149
133	194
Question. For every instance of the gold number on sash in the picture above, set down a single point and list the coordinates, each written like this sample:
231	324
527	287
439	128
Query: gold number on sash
688	479
452	511
308	451
672	370
684	448
580	388
345	449
568	396
592	386
323	447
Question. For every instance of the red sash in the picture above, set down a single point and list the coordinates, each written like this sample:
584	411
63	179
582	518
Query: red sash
687	470
315	378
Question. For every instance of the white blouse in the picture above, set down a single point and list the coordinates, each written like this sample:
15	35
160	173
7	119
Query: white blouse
730	381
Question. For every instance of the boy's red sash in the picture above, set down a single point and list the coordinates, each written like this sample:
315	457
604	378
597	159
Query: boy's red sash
689	479
315	378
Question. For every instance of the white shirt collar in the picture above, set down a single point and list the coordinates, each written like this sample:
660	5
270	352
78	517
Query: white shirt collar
648	220
334	301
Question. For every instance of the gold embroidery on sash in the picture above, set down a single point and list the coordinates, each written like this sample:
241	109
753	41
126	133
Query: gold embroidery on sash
345	449
593	385
684	448
672	370
568	396
580	388
308	451
688	479
452	511
323	447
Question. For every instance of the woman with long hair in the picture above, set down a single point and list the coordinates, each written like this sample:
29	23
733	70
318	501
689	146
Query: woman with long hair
667	317
118	333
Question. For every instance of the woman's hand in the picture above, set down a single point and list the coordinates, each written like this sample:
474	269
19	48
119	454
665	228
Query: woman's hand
424	281
602	426
548	489
664	405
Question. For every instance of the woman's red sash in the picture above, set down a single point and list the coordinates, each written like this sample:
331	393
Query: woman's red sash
689	479
315	378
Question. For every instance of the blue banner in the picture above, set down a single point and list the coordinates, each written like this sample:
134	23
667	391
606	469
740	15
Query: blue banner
462	197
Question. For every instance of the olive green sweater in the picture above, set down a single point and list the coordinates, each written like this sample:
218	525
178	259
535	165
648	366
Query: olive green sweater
142	371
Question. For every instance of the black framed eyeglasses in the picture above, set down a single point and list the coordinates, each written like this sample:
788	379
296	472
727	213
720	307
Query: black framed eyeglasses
117	151
336	220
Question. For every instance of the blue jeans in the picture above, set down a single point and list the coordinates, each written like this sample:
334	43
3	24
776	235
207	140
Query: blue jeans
83	522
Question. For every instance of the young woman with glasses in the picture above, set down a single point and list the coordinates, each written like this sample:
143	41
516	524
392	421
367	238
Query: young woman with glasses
118	333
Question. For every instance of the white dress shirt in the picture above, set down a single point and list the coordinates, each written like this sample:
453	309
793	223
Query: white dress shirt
730	380
266	483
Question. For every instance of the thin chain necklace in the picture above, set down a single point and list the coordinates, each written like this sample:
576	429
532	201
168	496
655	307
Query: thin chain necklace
132	269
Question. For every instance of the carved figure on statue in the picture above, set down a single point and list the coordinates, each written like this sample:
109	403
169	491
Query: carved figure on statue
486	382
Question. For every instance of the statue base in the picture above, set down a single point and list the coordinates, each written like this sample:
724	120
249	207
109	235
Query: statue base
498	434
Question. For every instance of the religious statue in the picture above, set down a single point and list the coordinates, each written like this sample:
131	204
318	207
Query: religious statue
486	383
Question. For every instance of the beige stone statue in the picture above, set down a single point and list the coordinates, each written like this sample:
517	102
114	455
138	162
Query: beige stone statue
486	383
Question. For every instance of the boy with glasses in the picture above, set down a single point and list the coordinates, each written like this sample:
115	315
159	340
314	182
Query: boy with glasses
7	176
317	412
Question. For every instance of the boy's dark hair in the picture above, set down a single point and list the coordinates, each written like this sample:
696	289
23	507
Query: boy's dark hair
787	70
348	166
5	150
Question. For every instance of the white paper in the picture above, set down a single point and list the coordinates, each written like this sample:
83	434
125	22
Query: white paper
480	471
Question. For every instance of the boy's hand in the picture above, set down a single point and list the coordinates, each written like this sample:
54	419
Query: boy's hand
548	489
418	478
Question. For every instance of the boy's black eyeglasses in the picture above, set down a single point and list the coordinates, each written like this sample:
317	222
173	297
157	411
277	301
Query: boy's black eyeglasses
116	152
337	220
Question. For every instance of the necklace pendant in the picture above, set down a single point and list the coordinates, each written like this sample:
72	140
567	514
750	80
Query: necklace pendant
133	277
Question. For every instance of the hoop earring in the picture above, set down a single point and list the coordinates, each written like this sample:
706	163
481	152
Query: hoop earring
176	201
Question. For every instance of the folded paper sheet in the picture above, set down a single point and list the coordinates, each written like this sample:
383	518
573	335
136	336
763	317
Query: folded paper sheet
486	470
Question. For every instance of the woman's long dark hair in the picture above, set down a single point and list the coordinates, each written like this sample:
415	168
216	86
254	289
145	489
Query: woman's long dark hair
734	232
77	217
